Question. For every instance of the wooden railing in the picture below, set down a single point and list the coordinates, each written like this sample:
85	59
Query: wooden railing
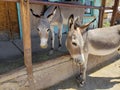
100	8
60	3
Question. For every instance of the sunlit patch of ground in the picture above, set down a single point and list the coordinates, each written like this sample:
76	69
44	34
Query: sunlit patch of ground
106	78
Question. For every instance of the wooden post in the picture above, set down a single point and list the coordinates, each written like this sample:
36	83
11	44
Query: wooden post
101	13
115	9
25	16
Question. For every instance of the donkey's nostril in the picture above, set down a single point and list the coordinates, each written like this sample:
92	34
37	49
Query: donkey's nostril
74	43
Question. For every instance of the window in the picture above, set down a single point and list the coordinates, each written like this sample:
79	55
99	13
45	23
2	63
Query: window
88	11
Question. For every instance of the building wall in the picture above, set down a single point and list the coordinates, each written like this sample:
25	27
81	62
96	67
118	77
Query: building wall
8	19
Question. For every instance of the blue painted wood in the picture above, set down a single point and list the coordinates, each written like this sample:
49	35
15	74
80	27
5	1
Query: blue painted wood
95	13
54	0
19	20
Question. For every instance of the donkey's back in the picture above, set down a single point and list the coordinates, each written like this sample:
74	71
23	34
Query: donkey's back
67	11
62	14
103	41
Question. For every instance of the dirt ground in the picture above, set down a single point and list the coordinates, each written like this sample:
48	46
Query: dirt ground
106	78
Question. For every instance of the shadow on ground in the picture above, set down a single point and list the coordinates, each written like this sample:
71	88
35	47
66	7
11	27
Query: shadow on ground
93	83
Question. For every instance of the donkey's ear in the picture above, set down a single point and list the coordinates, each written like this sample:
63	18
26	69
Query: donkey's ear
36	15
85	26
70	20
76	23
51	15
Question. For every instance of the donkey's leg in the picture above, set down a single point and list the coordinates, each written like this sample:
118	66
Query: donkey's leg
60	26
82	76
52	40
83	67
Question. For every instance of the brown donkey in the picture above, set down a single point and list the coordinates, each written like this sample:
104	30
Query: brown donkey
81	42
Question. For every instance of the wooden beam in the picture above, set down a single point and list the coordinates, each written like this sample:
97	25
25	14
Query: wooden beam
25	16
101	13
66	4
61	4
115	9
10	0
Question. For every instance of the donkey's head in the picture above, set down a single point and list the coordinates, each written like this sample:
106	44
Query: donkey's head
43	29
43	26
75	40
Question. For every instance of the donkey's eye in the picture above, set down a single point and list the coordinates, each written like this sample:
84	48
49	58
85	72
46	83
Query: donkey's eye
48	30
74	37
38	29
74	43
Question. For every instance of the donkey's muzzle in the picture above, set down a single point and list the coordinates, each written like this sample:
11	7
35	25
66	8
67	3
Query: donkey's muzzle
43	46
79	61
43	43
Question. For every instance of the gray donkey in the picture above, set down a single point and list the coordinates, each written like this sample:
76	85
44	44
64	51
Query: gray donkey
54	15
81	42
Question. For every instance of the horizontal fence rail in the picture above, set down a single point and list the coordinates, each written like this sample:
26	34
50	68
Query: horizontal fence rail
10	0
61	4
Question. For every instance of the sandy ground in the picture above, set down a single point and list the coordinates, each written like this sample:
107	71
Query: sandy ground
106	78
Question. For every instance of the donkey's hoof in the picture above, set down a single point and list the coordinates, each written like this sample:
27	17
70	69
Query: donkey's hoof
59	48
50	52
80	81
81	84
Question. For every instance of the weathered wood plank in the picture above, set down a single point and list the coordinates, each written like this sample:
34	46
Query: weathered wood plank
25	15
115	9
66	4
61	4
101	13
10	0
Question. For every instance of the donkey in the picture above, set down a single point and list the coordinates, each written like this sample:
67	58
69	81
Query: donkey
54	15
81	42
